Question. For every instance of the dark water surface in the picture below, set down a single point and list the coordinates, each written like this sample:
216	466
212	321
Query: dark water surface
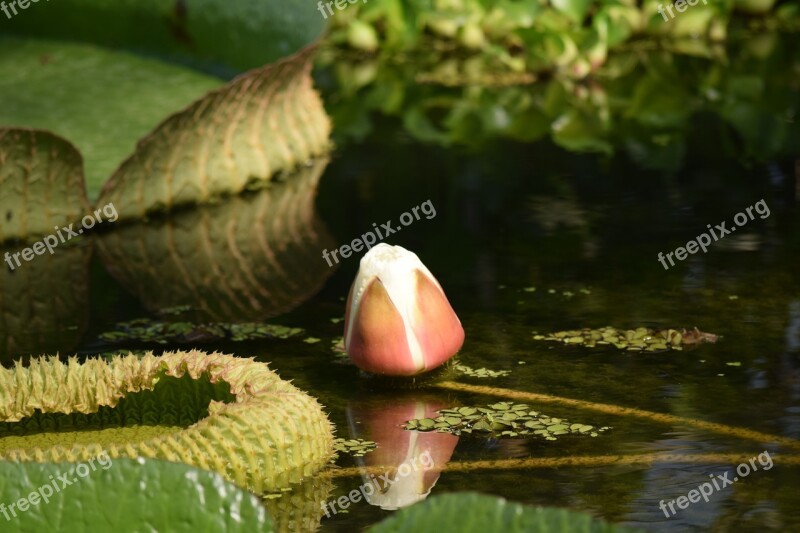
511	220
583	229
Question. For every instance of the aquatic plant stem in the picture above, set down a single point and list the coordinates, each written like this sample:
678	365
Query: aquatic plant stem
644	459
662	418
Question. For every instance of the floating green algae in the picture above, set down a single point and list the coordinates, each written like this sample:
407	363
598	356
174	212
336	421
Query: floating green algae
639	339
503	419
339	355
480	372
151	331
354	447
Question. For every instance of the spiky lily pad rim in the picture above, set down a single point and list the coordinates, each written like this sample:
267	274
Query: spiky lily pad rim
271	435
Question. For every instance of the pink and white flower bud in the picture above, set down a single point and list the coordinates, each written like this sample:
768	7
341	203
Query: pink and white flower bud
398	320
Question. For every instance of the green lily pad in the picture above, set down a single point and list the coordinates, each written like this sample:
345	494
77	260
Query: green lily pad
477	512
240	137
41	176
98	100
219	412
126	495
239	34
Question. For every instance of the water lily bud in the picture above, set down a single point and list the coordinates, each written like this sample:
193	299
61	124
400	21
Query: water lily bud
398	320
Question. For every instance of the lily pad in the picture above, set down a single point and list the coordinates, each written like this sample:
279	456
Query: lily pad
234	261
41	177
262	433
239	34
467	511
44	304
126	495
264	122
100	101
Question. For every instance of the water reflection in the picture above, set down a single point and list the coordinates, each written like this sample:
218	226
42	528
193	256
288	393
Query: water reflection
412	460
299	509
44	304
249	257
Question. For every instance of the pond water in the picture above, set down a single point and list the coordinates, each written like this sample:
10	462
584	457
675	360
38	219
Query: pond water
529	237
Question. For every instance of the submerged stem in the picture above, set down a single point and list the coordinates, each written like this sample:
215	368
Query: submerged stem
643	459
663	418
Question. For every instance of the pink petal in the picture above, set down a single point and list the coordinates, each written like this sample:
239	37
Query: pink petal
377	339
436	326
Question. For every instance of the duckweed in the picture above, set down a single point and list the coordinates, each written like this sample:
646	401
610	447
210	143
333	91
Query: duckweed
481	372
639	339
151	331
504	419
354	447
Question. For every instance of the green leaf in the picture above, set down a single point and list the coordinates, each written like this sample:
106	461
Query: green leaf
421	126
652	106
100	101
574	9
754	6
240	34
362	36
268	120
125	495
529	125
186	258
580	132
43	293
44	303
41	179
695	21
621	21
468	512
